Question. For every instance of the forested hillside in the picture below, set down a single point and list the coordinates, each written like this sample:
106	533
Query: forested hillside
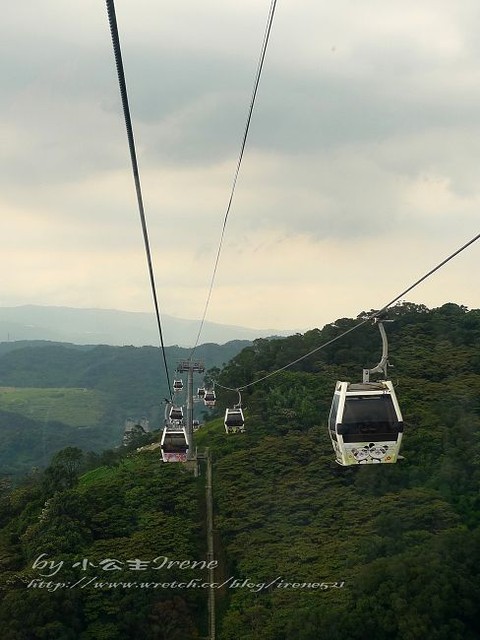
404	539
306	549
116	522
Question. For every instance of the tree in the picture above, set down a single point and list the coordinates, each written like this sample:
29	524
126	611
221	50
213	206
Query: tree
63	470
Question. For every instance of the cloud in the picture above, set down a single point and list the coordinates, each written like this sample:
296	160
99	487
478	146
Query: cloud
360	170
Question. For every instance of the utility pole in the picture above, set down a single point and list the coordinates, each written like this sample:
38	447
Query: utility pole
210	550
191	367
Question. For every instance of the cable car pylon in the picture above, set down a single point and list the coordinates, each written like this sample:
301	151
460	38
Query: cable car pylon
190	367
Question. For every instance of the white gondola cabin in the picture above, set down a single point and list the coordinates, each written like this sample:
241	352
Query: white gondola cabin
365	423
209	398
177	385
174	444
234	420
176	414
200	393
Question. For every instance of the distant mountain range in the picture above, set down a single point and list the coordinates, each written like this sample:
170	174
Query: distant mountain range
112	327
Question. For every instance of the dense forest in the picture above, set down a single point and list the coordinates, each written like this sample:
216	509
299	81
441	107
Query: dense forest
306	549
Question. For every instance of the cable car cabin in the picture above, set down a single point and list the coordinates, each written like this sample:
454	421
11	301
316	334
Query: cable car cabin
178	385
209	398
174	444
201	393
196	425
234	421
176	414
365	423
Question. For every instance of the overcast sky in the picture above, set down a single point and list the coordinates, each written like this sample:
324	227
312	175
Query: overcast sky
361	171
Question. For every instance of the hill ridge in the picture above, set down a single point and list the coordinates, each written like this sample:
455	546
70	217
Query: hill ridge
114	327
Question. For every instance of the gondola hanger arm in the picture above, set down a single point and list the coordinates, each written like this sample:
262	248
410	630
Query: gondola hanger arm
383	364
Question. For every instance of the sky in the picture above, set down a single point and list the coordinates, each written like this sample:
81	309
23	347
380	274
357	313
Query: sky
361	170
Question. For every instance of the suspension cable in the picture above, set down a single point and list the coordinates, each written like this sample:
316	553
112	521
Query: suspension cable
133	156
368	318
263	52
